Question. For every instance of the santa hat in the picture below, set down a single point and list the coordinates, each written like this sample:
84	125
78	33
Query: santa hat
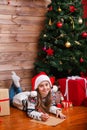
42	76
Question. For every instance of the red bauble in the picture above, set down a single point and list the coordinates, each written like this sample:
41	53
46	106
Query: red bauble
81	60
82	74
44	48
59	24
50	8
84	34
72	8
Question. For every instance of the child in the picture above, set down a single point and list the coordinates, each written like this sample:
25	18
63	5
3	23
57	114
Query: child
40	102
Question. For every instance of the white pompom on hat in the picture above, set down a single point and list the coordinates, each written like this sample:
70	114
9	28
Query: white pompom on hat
55	88
36	80
33	94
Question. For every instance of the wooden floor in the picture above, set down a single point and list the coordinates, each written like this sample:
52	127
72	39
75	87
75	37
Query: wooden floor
76	120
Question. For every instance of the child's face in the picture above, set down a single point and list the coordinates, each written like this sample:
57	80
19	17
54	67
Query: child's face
44	88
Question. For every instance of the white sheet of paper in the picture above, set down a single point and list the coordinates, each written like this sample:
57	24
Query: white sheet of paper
52	121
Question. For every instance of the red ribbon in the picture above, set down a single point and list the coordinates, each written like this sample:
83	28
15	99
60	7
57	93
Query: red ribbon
0	108
3	100
6	99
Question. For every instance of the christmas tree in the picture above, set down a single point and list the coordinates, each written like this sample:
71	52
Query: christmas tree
63	41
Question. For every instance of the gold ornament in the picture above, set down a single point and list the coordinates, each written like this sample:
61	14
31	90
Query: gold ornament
80	21
60	62
78	43
62	35
72	22
50	22
59	9
67	44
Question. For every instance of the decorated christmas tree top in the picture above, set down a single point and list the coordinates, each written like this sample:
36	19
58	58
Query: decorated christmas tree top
63	41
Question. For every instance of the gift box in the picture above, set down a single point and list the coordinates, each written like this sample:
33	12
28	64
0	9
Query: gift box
67	104
85	102
4	102
73	89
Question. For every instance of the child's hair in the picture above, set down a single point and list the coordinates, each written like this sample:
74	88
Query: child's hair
36	80
43	106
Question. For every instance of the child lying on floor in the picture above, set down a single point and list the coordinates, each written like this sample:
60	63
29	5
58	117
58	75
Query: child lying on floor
39	102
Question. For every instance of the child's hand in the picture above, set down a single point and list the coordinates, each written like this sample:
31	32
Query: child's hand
44	117
60	114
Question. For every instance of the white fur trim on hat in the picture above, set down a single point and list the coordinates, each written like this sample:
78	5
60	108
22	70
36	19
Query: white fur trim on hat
40	79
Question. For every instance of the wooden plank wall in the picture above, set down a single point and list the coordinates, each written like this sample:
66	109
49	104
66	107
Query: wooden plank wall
21	22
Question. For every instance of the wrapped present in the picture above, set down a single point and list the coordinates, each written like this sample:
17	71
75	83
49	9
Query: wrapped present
59	105
85	102
4	102
74	89
67	104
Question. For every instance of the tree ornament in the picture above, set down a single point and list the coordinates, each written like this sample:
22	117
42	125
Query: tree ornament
50	22
67	44
84	34
50	8
59	9
44	48
62	35
44	35
82	74
72	8
78	43
80	21
72	22
60	62
59	24
62	20
81	60
50	51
